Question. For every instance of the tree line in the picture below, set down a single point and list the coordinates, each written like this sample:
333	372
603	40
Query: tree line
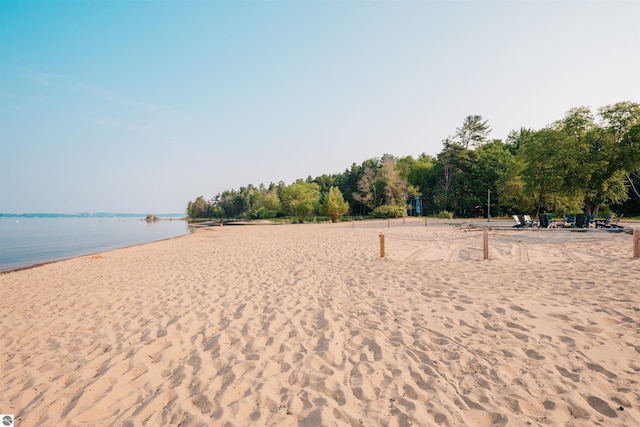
584	162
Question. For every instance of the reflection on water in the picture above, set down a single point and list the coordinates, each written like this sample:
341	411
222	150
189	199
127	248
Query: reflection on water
26	241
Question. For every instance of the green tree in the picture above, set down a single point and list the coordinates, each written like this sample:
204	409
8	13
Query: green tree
263	203
347	182
577	122
325	182
271	201
394	185
473	131
510	188
199	209
452	170
301	199
231	204
494	160
334	205
369	188
613	153
516	138
419	172
548	167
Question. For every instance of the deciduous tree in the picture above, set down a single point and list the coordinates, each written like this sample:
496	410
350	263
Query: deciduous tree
394	185
301	199
613	153
368	191
334	205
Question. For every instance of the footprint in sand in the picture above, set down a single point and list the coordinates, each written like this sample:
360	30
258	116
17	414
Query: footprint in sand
532	354
566	340
565	373
516	326
601	406
597	368
440	418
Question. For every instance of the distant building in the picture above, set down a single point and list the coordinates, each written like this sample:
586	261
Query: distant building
416	207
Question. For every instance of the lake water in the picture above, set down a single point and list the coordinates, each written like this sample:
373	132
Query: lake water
27	241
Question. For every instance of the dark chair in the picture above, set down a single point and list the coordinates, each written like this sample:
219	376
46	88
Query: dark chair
606	222
581	221
590	219
571	220
544	221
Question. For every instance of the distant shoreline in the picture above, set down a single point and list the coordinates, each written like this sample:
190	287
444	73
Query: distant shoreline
90	215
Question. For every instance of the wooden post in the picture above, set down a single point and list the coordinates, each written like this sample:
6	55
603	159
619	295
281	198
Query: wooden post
425	221
636	243
402	220
485	238
353	224
381	245
388	223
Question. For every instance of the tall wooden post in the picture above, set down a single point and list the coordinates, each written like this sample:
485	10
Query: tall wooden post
636	243
485	239
381	245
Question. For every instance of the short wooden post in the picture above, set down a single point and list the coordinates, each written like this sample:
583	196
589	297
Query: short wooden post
402	220
353	224
388	223
425	221
381	245
636	243
485	239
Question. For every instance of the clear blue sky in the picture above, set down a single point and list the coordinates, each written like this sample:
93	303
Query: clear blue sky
123	106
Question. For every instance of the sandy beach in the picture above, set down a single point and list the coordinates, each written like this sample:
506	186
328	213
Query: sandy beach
305	325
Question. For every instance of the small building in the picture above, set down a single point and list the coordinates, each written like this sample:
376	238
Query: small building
416	206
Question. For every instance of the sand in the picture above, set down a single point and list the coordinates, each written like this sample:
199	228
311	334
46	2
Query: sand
305	325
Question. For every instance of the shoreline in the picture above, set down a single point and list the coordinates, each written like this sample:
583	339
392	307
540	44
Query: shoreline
88	254
307	325
39	241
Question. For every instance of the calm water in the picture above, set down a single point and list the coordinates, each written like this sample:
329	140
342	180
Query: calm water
26	241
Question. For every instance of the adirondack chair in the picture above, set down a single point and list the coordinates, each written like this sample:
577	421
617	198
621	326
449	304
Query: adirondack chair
527	220
570	221
615	226
544	221
590	220
606	222
519	223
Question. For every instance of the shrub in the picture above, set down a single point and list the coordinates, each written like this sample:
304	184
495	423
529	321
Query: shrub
389	211
261	213
445	215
